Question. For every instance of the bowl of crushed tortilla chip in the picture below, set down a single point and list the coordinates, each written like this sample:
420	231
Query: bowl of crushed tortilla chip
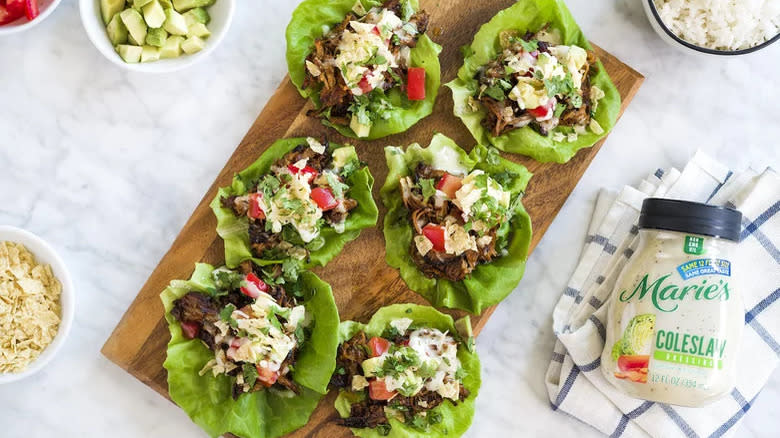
36	304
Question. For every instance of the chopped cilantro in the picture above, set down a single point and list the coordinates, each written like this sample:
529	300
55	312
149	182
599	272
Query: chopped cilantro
495	92
529	46
383	429
559	109
341	371
226	314
290	268
250	374
557	85
428	188
226	280
575	99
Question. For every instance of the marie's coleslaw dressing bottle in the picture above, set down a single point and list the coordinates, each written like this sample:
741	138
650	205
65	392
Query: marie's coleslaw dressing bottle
675	317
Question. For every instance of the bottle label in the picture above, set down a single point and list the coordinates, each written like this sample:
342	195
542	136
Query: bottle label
693	245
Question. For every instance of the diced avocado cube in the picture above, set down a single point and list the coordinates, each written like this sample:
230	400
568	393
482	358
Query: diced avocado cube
343	155
109	8
192	45
199	30
186	5
138	4
117	32
370	366
172	47
156	37
197	15
154	14
150	54
175	23
135	25
360	129
131	54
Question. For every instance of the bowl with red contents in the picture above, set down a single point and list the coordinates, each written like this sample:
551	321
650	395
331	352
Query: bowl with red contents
20	15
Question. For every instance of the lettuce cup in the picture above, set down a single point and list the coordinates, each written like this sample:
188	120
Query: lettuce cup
250	353
368	66
407	373
531	84
456	227
297	205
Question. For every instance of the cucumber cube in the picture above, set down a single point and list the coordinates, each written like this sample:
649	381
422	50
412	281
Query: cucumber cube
109	8
199	30
154	14
138	4
135	24
192	45
156	37
172	47
117	32
175	23
197	15
131	54
186	5
150	54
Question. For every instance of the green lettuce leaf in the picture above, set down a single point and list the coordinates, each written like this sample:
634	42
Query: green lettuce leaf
307	24
529	15
489	283
265	414
455	419
235	230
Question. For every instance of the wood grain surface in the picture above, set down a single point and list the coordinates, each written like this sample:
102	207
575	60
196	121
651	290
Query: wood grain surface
362	282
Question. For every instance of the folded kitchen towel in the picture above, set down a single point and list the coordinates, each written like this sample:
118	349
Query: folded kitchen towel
574	381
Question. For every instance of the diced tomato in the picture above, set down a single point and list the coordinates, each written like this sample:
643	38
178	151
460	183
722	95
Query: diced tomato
255	211
378	346
253	286
364	85
266	376
449	184
635	362
377	390
254	279
10	12
190	330
405	342
415	83
307	170
31	9
544	111
376	31
435	233
324	198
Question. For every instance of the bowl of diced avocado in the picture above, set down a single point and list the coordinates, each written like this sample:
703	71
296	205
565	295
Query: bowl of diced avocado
156	36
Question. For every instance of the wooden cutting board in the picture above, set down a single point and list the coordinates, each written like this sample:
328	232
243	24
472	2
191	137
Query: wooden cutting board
362	282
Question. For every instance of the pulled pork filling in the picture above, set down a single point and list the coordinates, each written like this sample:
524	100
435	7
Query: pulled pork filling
356	62
287	207
538	82
459	221
254	327
406	374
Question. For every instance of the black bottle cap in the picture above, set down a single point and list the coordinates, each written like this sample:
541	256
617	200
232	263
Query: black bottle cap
691	217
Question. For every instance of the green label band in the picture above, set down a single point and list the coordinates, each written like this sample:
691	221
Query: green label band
687	359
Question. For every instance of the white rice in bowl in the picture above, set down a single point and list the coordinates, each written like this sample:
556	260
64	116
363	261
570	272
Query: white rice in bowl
721	24
30	307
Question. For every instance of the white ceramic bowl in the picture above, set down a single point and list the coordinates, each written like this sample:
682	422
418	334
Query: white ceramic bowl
672	39
221	17
44	254
45	8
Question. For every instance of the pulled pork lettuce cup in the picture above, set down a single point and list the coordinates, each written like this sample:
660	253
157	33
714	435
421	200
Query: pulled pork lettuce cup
368	66
530	84
456	227
409	372
297	205
249	355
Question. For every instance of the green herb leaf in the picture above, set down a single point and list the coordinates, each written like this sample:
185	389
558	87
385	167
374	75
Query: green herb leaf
226	314
428	188
495	92
250	374
529	46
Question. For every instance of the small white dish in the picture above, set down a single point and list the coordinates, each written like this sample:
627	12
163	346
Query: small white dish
221	18
45	8
675	41
44	254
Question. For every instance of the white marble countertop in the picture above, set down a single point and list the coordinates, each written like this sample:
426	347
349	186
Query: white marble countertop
107	166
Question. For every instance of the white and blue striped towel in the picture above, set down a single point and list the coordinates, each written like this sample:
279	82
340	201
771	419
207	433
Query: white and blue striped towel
575	383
